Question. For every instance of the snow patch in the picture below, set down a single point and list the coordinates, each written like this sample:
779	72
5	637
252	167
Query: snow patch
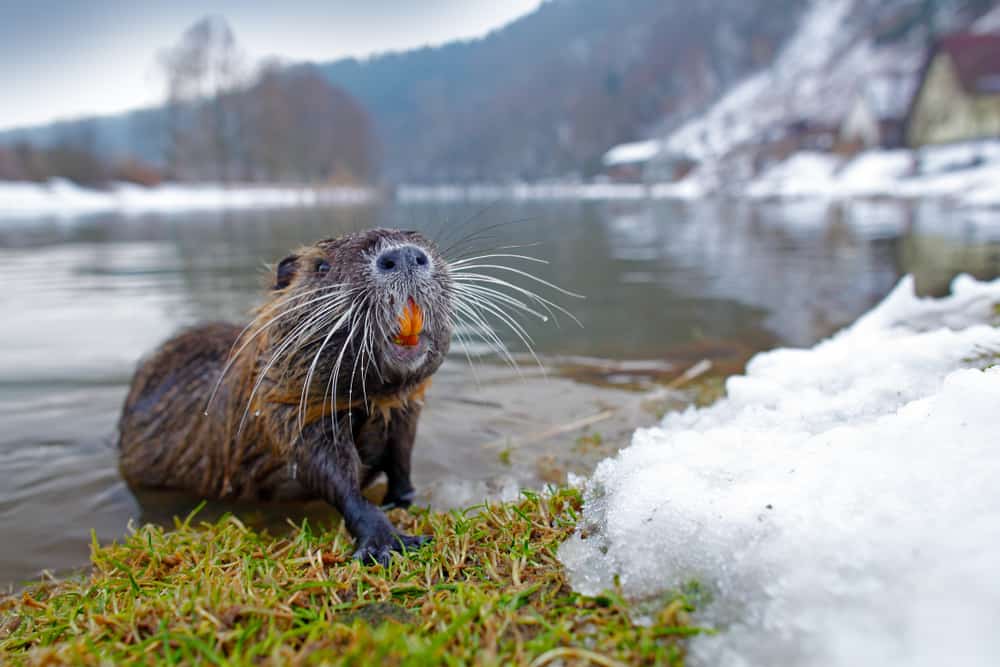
488	192
632	153
841	503
806	173
63	198
969	173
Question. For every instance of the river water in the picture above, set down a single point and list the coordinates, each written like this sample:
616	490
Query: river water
666	285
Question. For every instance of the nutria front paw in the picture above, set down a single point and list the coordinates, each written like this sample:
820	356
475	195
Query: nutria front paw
402	500
378	548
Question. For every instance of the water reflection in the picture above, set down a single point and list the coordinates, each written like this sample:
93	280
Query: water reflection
666	284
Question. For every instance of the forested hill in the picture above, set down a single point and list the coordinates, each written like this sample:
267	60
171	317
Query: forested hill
547	94
544	96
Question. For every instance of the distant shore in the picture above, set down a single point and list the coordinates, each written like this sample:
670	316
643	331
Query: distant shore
968	176
62	198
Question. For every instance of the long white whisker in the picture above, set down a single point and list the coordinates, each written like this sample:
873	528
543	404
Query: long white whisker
468	278
486	292
233	356
293	337
514	326
525	274
336	368
465	347
312	367
492	307
469	260
487	332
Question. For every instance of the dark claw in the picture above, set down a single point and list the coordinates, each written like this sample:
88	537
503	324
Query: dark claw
403	500
378	549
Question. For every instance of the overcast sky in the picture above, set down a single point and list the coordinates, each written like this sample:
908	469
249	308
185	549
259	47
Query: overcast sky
66	58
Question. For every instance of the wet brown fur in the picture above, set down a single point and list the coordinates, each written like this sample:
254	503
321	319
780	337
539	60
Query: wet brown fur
333	448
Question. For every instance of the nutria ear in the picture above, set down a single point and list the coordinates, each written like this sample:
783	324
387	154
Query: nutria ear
285	272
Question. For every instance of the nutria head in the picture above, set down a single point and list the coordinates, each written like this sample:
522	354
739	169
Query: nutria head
364	314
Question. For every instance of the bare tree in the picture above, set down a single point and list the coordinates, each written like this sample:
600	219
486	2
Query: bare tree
306	130
205	72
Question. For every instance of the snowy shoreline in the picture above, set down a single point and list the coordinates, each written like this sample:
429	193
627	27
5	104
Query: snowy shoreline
61	198
965	174
967	177
840	503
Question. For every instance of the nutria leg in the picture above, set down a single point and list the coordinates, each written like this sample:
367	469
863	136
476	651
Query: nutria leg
396	459
329	468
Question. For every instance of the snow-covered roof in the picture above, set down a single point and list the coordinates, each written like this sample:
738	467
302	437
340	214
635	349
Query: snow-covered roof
635	152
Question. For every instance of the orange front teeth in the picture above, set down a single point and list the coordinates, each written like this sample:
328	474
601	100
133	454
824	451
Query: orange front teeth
411	323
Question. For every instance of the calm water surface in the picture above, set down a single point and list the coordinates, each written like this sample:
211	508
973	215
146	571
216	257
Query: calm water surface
666	285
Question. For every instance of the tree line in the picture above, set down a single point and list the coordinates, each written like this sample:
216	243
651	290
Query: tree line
222	121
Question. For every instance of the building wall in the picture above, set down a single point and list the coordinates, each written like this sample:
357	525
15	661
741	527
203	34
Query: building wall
861	125
944	112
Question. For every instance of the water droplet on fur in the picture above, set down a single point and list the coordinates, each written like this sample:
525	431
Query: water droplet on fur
256	413
545	318
294	470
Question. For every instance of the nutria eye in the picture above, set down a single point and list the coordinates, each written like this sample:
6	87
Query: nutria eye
322	266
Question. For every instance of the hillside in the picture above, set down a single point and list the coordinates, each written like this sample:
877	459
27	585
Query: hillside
542	97
842	49
546	95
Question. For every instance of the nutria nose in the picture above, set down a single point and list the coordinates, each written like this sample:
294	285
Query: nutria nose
403	258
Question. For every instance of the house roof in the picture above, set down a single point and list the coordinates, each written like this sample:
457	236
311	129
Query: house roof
976	58
636	152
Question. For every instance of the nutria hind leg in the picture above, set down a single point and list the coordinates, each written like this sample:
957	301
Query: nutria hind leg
402	431
329	467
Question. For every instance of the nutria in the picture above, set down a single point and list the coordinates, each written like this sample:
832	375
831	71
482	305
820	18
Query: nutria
319	394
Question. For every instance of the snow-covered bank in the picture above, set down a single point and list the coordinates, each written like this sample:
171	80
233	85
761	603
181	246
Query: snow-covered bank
486	192
63	198
968	174
841	503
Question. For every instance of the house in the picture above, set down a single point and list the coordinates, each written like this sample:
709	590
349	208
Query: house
958	96
640	161
626	163
877	113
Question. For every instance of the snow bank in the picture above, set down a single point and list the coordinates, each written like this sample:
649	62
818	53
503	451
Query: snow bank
63	198
841	503
806	173
968	173
487	192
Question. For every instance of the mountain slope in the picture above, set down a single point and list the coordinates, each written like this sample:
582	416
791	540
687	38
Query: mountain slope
542	97
840	47
547	94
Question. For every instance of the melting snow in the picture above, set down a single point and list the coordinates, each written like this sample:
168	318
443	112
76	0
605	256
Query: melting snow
842	502
60	197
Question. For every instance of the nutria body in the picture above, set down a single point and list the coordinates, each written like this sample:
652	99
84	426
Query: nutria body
319	394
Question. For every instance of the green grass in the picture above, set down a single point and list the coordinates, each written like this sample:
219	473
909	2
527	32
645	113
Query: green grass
487	590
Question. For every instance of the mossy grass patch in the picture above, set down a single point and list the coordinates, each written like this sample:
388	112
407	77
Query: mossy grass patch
487	590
